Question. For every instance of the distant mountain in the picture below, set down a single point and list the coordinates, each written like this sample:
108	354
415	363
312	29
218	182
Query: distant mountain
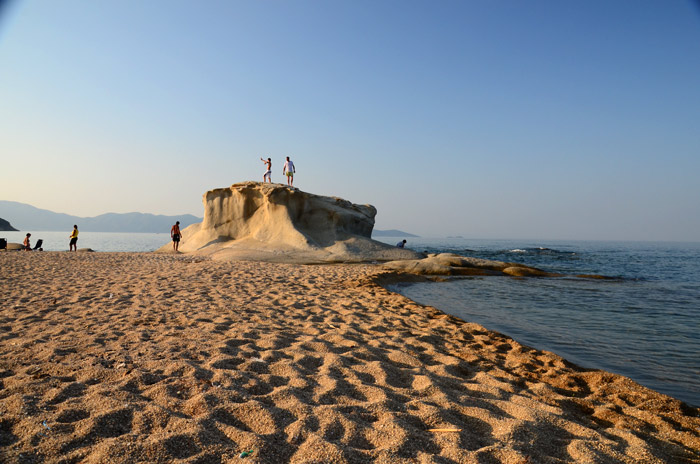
392	233
27	217
4	225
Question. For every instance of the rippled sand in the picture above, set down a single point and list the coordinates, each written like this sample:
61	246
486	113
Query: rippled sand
126	357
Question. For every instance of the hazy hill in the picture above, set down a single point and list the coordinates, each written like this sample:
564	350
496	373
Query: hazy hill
27	217
4	225
391	233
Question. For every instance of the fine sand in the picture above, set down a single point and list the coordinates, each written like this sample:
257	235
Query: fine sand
128	357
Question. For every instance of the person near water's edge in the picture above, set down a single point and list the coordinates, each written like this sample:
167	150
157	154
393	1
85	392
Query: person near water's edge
73	239
289	170
401	244
268	173
27	244
175	235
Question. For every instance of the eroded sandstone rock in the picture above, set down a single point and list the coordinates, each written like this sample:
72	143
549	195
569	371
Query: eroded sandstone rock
449	264
273	222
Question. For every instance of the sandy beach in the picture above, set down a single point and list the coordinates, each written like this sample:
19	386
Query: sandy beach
144	357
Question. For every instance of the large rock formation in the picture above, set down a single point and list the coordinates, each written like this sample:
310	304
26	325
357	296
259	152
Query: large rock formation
273	222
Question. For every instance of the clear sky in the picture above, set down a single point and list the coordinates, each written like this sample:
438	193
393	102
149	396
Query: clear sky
488	119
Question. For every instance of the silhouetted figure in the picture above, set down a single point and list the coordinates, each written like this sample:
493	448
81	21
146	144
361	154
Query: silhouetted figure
175	235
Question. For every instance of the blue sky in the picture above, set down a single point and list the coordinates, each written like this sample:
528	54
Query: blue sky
508	119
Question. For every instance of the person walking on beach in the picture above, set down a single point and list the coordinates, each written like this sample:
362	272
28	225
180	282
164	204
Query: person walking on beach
289	170
268	173
401	244
73	239
175	235
27	244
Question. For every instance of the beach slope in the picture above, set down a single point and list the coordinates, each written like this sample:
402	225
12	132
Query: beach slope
126	357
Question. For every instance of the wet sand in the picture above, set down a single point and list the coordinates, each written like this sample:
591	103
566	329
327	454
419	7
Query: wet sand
141	357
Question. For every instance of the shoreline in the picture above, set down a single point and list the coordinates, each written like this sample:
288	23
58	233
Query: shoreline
116	357
548	327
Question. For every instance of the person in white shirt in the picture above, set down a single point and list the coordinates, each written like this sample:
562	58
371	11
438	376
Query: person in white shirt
289	170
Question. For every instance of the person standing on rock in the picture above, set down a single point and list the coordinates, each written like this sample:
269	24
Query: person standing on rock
175	235
401	244
73	239
289	171
268	173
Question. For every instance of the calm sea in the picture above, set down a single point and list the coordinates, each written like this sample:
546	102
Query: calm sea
646	325
98	241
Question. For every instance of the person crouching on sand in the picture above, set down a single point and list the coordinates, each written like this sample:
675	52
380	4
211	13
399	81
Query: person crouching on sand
27	244
73	239
268	173
175	235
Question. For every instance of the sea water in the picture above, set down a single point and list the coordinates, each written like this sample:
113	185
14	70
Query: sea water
97	241
645	324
